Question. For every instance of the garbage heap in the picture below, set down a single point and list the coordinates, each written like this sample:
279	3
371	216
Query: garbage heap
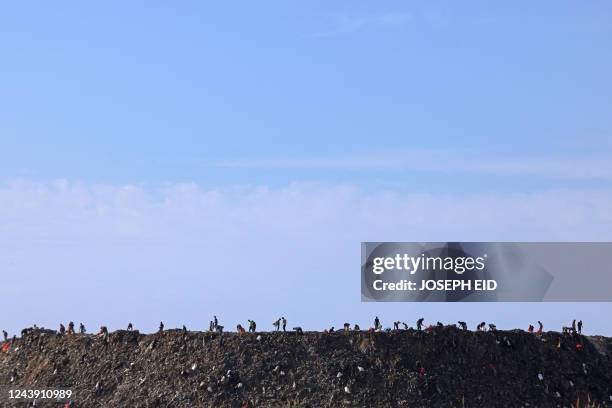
438	367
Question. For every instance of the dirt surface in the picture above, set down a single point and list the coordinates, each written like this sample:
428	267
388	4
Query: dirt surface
443	367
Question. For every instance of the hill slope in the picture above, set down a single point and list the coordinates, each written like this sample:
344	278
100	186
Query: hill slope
445	367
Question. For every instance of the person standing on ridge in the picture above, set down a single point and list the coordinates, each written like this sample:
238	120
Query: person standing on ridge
376	323
5	335
215	323
530	328
284	323
463	325
161	327
276	324
540	327
130	326
419	323
62	330
574	325
579	327
81	328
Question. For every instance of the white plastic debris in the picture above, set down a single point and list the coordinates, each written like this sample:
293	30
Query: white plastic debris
259	338
571	383
194	366
339	375
361	369
209	389
557	394
541	377
239	385
282	373
347	389
293	386
584	368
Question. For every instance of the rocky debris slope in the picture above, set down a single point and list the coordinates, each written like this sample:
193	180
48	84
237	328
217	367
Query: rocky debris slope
444	367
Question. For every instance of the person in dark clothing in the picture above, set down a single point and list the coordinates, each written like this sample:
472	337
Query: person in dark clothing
130	327
530	328
396	325
81	328
71	328
540	327
376	323
463	325
419	323
216	322
439	324
298	330
161	327
284	323
184	329
405	325
492	327
580	327
574	326
356	327
62	330
5	335
347	327
481	326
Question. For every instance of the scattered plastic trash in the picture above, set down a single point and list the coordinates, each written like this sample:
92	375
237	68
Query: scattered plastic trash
541	377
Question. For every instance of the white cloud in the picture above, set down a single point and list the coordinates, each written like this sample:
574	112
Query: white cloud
180	253
560	167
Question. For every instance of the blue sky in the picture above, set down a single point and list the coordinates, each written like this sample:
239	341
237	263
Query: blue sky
142	144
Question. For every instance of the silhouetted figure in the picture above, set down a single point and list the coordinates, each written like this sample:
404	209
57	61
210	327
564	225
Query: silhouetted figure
161	327
580	327
62	330
481	326
216	322
376	323
71	328
530	328
240	329
492	327
463	325
419	323
284	323
356	327
276	324
298	330
574	325
184	329
396	325
81	328
540	327
347	327
130	326
439	324
405	325
5	335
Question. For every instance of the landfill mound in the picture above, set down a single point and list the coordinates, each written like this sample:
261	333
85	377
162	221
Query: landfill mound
440	367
